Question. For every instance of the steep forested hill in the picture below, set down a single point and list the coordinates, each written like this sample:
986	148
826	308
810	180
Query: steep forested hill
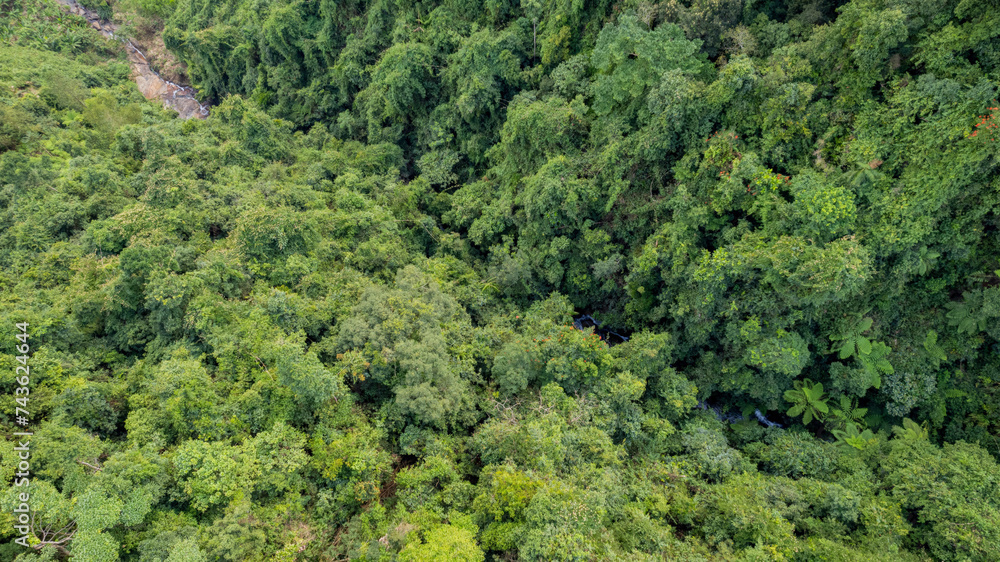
335	320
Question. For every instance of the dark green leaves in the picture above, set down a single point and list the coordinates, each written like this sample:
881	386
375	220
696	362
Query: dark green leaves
871	355
854	342
935	351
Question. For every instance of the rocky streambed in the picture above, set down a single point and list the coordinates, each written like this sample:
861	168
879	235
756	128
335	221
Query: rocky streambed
153	86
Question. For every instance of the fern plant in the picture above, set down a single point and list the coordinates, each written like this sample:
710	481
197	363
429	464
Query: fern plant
871	355
934	351
853	342
808	400
926	260
911	430
876	364
964	317
853	437
978	309
876	419
863	173
848	413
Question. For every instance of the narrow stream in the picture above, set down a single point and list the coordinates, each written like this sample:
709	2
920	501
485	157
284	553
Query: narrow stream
174	96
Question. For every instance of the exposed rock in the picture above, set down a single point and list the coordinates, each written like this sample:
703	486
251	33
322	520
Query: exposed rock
608	336
181	99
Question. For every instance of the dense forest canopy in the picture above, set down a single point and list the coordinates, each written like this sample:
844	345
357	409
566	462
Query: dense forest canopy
335	319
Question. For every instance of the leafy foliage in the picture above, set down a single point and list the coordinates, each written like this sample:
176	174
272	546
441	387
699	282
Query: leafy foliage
336	319
808	400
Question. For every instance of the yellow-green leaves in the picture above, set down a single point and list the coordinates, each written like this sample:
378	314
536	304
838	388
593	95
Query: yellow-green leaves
808	400
828	211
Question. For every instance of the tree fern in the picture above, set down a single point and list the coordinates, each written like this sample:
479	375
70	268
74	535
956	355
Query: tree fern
808	400
935	351
871	354
848	413
964	318
926	260
911	430
875	362
853	437
853	342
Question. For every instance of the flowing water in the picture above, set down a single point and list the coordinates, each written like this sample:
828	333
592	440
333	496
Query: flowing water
174	96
